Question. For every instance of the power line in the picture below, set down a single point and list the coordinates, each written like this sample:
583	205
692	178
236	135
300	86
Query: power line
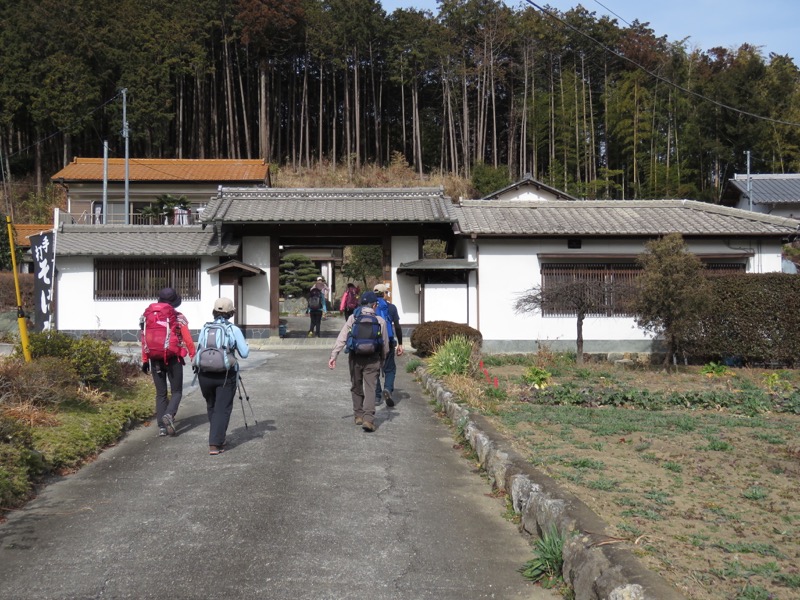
660	77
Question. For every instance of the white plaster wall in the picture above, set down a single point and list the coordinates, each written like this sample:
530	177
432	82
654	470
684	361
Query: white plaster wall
446	302
405	249
508	268
76	308
255	289
526	193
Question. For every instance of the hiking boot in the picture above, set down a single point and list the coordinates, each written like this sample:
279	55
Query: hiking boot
169	423
367	426
162	431
359	420
387	395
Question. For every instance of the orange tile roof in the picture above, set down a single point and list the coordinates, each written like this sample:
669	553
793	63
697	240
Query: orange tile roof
23	230
164	169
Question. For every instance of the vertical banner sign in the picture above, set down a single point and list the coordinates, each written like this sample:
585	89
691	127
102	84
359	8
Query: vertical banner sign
43	251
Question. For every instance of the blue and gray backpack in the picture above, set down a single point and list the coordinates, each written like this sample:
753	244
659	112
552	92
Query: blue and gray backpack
364	337
215	348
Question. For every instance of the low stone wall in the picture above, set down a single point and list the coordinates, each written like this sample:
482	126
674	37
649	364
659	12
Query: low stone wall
596	566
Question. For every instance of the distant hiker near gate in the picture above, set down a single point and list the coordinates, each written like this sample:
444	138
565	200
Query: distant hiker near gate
366	342
315	302
349	300
323	288
217	370
166	341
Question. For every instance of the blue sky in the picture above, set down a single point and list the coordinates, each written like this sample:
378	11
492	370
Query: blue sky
774	25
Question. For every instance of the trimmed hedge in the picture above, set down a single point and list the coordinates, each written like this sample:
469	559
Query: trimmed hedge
752	317
427	337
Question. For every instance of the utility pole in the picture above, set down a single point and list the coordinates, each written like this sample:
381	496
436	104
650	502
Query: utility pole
127	171
749	182
105	182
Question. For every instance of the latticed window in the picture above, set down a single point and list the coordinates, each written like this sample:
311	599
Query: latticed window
604	287
143	278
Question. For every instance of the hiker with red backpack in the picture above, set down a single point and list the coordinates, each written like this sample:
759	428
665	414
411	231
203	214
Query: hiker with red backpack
349	300
166	340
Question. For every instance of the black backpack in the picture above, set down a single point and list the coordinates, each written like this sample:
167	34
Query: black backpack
315	300
364	337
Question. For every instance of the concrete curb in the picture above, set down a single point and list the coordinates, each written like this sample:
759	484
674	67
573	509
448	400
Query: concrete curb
596	566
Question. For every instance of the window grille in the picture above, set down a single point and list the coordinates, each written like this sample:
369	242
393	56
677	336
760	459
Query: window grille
143	278
606	287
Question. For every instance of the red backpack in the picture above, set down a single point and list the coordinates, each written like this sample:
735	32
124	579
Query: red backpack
160	331
352	299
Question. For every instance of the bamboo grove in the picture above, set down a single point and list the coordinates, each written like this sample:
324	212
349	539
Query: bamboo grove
577	101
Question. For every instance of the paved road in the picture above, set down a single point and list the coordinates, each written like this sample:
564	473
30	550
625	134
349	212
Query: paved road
303	505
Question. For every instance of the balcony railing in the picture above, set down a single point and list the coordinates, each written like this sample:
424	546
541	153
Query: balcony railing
181	217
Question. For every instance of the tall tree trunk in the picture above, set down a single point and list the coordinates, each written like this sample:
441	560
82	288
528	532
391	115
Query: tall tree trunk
248	146
304	120
334	119
417	129
465	136
230	120
348	143
179	118
403	108
201	119
376	101
320	119
357	106
494	111
263	112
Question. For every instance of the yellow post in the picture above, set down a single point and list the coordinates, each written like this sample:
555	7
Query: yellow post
23	327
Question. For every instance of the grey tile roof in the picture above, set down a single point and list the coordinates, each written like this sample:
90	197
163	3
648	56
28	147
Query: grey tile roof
620	217
438	264
140	240
326	205
770	189
530	181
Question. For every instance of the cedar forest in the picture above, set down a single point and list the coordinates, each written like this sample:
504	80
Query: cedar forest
579	102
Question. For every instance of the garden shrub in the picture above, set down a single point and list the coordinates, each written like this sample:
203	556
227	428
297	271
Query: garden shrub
457	356
46	381
427	337
19	463
95	362
93	359
47	343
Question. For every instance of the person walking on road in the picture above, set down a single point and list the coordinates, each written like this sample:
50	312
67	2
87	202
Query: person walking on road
388	312
323	288
349	300
218	382
166	341
314	308
364	339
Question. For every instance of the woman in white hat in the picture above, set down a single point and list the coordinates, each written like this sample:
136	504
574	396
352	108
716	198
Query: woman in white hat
219	386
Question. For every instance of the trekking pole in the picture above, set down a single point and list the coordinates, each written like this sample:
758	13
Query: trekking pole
247	397
244	416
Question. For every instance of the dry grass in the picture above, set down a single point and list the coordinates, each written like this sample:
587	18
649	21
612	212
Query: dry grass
398	174
31	415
